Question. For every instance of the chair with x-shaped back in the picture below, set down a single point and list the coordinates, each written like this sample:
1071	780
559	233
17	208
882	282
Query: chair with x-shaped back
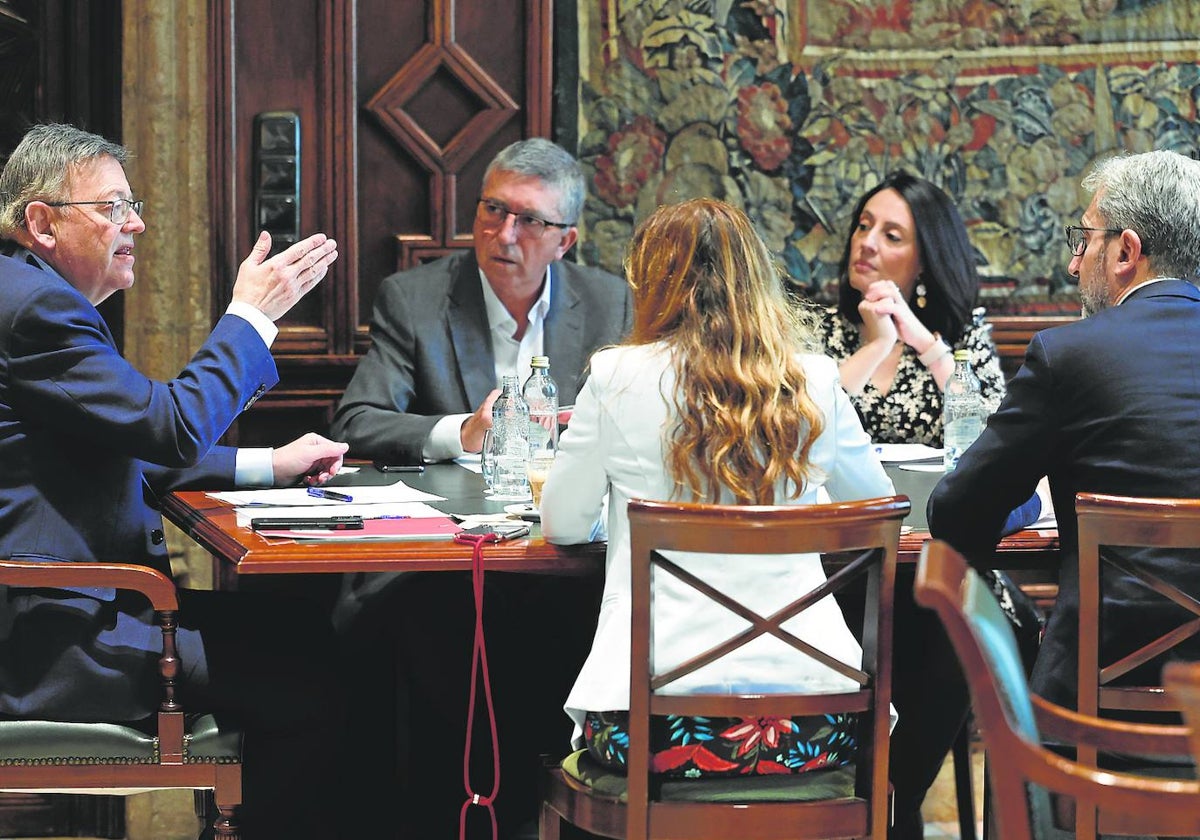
826	803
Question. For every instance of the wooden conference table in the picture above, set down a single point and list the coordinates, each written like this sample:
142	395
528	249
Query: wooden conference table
239	551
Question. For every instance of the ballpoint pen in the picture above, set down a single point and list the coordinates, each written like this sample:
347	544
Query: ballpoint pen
322	493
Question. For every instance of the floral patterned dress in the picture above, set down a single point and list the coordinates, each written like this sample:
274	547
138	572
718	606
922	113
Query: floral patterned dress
697	747
911	410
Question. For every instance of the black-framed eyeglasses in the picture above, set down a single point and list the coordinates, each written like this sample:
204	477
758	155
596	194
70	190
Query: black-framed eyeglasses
118	208
494	214
1077	242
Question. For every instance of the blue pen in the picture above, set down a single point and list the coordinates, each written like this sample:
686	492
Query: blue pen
389	516
322	493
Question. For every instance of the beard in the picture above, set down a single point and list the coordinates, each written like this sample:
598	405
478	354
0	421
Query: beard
1093	290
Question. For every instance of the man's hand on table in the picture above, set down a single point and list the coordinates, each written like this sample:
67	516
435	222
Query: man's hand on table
314	458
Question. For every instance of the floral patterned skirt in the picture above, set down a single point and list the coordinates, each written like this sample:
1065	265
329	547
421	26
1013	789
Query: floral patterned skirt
695	747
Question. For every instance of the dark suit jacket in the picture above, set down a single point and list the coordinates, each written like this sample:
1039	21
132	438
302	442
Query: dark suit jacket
1109	404
431	353
86	445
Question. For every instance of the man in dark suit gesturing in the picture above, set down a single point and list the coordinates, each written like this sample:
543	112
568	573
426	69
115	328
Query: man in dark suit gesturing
1108	404
443	334
88	444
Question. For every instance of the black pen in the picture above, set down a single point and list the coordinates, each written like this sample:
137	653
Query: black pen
410	468
322	493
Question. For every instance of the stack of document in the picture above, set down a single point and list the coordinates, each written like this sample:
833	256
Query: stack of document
388	512
439	527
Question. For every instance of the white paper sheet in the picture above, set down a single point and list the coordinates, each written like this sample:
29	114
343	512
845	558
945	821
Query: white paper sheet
410	510
895	453
298	496
470	461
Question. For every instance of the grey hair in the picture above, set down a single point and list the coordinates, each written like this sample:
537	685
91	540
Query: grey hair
550	163
41	166
1157	196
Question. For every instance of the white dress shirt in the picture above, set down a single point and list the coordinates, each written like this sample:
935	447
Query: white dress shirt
511	357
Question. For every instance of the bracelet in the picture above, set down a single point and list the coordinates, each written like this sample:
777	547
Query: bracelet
936	351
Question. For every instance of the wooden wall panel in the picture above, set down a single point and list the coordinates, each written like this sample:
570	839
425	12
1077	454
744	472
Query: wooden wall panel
401	107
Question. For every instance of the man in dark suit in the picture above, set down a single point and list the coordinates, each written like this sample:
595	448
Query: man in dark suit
1108	404
444	334
88	445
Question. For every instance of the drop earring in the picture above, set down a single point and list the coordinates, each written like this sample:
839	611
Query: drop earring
920	290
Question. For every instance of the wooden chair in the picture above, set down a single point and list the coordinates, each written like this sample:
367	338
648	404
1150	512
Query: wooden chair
1110	521
1024	774
1131	522
1182	679
108	758
638	806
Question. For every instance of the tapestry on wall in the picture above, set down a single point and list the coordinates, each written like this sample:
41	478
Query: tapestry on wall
791	109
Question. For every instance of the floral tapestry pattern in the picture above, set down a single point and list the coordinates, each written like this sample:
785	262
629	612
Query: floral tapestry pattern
791	109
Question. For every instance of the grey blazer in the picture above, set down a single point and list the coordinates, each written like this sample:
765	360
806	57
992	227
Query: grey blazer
431	354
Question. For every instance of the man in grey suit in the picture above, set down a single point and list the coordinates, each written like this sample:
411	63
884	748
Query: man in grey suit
443	334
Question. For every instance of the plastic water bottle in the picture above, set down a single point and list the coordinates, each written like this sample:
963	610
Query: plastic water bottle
510	444
541	395
963	411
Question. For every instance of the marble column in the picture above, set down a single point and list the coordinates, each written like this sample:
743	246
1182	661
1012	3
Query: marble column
165	124
164	112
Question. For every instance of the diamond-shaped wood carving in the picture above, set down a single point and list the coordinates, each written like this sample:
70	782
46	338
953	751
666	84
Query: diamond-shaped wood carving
446	65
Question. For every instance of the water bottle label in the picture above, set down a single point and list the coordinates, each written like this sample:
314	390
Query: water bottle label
543	429
958	435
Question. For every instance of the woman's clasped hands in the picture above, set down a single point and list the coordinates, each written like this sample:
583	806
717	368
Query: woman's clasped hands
886	315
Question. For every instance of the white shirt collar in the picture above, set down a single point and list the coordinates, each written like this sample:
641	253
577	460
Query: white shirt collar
1141	285
512	356
499	318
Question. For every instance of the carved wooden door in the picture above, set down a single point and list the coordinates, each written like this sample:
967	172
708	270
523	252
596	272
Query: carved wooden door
388	114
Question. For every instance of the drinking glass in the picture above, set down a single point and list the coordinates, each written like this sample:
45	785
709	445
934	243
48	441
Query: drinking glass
540	462
487	461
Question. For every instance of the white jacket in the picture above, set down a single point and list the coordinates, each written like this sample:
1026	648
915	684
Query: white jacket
613	451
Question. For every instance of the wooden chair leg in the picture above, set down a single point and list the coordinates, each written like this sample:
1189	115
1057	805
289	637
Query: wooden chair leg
549	823
963	787
225	827
987	802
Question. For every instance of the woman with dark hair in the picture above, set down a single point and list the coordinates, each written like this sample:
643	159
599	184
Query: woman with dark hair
712	399
906	298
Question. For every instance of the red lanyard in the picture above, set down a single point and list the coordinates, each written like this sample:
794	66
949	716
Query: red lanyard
479	663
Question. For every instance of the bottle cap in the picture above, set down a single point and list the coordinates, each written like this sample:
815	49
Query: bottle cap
540	361
962	355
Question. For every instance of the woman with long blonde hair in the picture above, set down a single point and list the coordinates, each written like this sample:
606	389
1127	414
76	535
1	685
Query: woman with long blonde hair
713	398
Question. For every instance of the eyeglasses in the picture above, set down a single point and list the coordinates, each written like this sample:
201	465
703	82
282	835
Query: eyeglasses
493	214
118	208
1077	242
